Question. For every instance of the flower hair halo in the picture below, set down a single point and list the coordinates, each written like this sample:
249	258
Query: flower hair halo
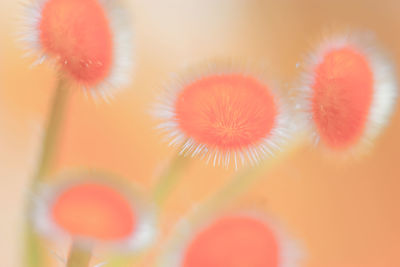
224	114
89	41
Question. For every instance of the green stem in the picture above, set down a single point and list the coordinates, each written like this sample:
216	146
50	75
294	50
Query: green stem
79	255
169	178
238	184
33	245
165	184
52	131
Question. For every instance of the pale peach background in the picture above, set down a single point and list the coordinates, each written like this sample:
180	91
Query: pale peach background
345	215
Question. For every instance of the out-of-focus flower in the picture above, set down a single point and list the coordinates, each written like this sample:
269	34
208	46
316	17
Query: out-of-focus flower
349	92
89	40
224	116
93	210
234	240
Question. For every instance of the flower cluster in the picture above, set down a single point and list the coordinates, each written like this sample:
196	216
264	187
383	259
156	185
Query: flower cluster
346	96
223	115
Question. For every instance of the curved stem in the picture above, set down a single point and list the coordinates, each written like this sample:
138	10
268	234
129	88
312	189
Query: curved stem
54	122
79	255
169	178
240	183
55	116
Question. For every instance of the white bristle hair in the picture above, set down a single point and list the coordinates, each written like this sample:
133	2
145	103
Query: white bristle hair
385	87
45	194
291	252
123	46
164	111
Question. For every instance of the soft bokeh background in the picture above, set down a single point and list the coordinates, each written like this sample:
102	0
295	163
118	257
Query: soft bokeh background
345	215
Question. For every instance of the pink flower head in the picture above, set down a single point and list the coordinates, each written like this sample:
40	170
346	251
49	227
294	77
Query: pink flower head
231	241
224	116
349	92
88	40
94	210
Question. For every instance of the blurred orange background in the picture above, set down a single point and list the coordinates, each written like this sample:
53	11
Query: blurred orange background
344	215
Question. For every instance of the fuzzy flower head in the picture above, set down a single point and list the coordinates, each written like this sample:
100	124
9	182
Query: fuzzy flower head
94	211
87	39
349	92
234	240
223	116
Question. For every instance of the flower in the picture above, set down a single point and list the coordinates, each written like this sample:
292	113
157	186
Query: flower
92	210
234	240
224	116
88	40
348	93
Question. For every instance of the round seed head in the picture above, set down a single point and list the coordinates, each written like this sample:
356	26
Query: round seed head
225	116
